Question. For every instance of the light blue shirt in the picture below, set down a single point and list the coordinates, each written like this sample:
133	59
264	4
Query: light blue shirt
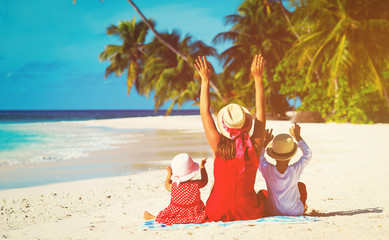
283	194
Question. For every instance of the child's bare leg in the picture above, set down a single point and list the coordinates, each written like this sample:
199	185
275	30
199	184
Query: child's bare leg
148	216
303	194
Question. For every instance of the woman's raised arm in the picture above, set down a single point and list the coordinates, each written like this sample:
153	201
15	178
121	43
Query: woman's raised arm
257	68
211	132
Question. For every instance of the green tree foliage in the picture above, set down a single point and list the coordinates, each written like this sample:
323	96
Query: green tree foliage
339	59
127	56
152	66
331	54
169	76
258	27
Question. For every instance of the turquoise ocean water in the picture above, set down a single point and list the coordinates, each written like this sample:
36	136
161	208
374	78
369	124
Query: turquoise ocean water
31	138
28	137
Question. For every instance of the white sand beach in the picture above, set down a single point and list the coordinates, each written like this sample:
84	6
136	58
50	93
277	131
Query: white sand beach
347	182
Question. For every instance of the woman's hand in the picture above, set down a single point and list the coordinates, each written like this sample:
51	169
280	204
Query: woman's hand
257	67
203	68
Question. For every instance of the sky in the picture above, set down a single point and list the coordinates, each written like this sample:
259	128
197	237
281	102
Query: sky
49	49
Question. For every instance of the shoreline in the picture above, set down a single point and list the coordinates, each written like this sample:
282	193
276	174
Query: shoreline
185	133
347	184
148	146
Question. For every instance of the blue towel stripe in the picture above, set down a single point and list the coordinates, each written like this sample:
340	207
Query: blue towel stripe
151	224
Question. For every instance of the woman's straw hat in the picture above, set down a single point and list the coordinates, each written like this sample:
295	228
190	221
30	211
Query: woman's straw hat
183	168
234	116
283	148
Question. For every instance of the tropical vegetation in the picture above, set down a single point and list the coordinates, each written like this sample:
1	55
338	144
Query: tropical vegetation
152	66
257	27
332	55
338	59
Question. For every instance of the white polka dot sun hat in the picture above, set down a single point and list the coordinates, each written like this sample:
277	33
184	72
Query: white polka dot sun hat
183	168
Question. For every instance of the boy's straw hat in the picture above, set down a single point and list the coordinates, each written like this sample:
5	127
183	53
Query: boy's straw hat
283	148
234	116
183	168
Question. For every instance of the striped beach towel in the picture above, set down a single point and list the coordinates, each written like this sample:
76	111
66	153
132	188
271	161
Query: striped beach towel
151	224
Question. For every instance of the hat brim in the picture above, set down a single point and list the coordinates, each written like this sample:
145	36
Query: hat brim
282	157
190	174
220	125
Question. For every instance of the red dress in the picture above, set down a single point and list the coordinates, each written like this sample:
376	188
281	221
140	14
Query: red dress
185	205
233	196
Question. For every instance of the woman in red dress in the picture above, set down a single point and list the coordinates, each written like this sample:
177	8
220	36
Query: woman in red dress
236	154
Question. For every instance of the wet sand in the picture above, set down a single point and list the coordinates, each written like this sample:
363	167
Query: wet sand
147	150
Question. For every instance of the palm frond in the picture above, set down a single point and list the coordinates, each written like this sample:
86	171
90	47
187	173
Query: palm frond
319	51
232	19
109	51
224	37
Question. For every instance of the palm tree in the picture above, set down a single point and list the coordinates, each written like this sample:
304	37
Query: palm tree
171	77
127	56
343	40
257	27
130	56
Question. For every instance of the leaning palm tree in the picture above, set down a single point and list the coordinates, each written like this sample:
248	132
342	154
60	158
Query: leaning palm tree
343	40
131	58
127	56
167	44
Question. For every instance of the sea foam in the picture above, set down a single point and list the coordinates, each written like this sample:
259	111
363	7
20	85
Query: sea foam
32	143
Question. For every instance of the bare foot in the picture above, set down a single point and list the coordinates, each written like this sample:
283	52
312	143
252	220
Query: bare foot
305	207
148	216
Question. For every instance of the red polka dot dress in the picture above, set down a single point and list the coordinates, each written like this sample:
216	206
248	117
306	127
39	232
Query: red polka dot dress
185	205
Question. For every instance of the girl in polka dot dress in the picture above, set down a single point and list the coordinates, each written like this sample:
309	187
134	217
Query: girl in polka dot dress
185	204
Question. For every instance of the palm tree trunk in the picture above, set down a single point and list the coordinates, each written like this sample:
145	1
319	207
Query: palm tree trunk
336	100
386	94
157	35
283	10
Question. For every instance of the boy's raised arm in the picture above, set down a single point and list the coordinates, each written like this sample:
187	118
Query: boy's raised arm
268	137
295	131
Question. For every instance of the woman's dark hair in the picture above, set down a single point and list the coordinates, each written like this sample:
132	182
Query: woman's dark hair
226	148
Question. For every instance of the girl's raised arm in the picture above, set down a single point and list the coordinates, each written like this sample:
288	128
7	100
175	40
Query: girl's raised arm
257	68
210	129
168	182
204	176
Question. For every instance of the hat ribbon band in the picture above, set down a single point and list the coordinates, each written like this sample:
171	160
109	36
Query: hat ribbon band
242	142
283	154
